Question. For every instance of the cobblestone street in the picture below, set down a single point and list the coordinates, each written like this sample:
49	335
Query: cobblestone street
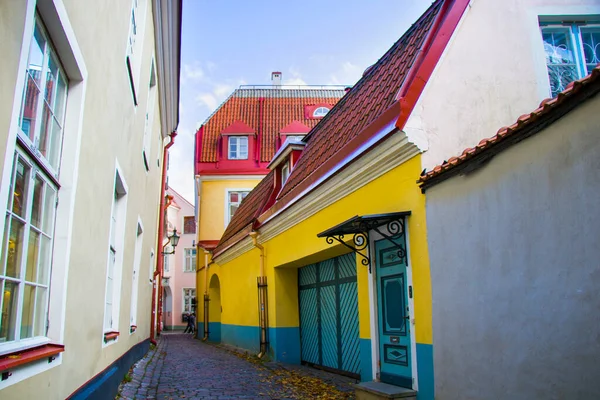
181	367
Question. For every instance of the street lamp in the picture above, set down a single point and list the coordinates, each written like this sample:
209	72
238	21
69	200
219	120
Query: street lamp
173	240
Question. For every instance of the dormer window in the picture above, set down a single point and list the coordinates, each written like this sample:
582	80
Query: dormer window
238	148
285	173
320	112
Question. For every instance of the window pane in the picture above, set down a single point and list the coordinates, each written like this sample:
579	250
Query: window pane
560	58
46	131
591	47
44	261
36	208
233	197
29	107
244	194
54	144
40	311
4	252
33	250
232	209
36	54
15	247
51	78
20	188
9	311
27	314
49	209
61	97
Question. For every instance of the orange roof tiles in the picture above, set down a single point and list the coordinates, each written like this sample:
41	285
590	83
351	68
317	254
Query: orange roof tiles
280	108
520	128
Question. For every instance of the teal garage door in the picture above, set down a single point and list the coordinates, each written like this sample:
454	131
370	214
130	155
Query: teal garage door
329	315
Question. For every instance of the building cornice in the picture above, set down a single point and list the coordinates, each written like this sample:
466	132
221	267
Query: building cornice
389	154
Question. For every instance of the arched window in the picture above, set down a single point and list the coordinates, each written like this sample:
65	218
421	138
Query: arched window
320	112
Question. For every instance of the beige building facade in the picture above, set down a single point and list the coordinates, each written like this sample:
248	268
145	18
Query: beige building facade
89	94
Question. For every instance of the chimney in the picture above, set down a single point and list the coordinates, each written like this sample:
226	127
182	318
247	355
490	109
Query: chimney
276	78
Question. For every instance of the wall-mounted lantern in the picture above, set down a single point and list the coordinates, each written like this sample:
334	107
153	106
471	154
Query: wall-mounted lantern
173	240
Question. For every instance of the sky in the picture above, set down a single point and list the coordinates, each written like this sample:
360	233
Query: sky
227	43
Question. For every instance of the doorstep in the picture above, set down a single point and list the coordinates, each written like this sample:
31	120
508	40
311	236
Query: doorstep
379	390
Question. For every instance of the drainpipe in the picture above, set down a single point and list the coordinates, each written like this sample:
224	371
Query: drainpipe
157	276
206	298
259	137
262	297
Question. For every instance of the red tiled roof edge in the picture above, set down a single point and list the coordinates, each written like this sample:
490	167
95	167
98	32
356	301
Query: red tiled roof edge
408	95
546	108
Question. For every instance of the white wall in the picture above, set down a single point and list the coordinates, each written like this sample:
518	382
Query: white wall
515	269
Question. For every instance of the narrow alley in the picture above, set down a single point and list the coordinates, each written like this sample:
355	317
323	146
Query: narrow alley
181	367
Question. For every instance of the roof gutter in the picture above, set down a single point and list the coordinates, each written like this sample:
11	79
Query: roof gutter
167	40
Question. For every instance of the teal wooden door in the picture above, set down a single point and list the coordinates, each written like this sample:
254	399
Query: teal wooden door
328	300
393	314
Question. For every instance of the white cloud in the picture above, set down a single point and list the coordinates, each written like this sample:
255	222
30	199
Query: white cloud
193	72
346	74
295	79
207	100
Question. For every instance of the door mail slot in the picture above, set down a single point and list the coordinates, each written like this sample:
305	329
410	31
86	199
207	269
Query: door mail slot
394	339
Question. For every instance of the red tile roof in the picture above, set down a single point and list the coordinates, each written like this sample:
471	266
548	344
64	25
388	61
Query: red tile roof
247	212
374	93
522	128
386	93
295	127
280	108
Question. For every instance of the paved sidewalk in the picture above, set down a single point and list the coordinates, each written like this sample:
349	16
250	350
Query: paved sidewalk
183	367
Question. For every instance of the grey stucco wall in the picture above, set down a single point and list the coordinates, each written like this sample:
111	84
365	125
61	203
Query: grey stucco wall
515	269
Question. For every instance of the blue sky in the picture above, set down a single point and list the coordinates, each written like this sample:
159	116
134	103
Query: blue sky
226	43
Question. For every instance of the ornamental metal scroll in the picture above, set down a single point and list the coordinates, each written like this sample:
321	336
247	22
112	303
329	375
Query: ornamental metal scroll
360	242
359	228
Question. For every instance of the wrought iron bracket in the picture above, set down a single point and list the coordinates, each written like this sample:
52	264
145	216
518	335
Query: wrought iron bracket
360	242
360	226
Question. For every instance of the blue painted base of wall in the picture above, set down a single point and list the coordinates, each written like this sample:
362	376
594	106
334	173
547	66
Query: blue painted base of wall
366	360
106	384
284	344
425	370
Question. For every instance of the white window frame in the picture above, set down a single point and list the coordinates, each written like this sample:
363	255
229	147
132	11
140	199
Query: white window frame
184	297
227	204
149	118
151	268
320	112
189	256
135	45
237	155
116	247
574	31
135	281
285	172
55	18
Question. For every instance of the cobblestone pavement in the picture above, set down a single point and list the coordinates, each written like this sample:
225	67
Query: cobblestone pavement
181	367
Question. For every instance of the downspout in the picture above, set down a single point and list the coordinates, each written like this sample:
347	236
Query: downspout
262	296
160	260
206	299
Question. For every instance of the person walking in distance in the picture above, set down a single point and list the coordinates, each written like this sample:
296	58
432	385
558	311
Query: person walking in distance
190	324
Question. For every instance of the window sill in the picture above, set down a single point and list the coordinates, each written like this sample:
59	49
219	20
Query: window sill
112	335
12	360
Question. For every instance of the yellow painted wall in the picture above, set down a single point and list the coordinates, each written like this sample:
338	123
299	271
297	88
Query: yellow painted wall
212	205
299	246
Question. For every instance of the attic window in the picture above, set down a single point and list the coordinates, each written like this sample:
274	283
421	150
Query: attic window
320	112
285	173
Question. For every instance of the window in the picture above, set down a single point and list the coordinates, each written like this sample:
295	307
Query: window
285	173
149	117
572	51
188	295
43	105
190	260
238	147
134	43
167	257
115	255
151	268
234	199
294	137
189	225
320	112
25	266
137	260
